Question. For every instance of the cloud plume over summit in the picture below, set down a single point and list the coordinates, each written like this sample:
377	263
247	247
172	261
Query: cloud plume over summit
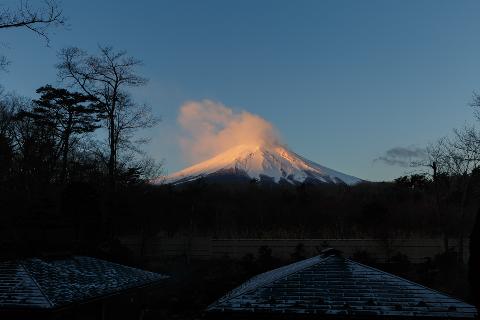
210	128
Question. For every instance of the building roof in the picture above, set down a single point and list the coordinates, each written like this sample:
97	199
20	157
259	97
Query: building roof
50	284
331	285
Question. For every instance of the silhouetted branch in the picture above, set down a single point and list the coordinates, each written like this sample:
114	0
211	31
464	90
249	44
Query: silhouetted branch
35	19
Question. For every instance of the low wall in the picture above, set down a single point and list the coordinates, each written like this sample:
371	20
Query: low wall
417	250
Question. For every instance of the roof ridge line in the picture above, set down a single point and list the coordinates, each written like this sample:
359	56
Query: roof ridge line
411	282
289	270
52	305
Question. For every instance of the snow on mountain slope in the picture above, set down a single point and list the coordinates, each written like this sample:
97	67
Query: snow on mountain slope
260	161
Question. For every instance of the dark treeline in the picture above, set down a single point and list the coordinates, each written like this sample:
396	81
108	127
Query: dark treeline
404	208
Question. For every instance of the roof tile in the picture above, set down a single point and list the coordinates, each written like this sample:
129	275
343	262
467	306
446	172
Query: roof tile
334	285
44	284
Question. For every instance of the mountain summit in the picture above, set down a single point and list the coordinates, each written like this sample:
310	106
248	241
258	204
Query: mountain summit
266	163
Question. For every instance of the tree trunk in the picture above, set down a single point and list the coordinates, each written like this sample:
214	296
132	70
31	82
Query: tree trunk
66	147
111	160
437	204
462	218
474	262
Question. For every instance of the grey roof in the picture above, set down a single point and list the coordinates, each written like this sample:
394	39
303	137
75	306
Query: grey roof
331	285
49	284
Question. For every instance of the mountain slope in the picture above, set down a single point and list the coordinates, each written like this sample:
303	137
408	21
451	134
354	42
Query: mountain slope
261	162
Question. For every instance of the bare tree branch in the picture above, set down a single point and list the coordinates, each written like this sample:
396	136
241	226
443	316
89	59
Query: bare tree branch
37	20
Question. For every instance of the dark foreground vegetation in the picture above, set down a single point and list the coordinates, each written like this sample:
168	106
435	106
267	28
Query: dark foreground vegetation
82	216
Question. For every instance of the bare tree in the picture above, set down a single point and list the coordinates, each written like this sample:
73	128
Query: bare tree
36	19
441	161
106	77
467	155
455	159
7	113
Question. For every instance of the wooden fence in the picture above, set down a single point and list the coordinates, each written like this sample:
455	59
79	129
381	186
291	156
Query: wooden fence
417	250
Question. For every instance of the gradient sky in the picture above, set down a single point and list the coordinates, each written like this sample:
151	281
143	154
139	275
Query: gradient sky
343	81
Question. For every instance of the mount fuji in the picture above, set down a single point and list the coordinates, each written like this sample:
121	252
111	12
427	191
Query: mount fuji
272	163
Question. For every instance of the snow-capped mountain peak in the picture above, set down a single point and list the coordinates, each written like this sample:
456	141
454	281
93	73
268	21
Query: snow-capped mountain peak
260	161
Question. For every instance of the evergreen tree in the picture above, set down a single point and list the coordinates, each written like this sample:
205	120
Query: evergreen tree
68	115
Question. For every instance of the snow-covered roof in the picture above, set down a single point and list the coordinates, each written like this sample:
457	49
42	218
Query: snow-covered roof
50	284
331	285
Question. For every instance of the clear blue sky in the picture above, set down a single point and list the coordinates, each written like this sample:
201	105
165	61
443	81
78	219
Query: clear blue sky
343	81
